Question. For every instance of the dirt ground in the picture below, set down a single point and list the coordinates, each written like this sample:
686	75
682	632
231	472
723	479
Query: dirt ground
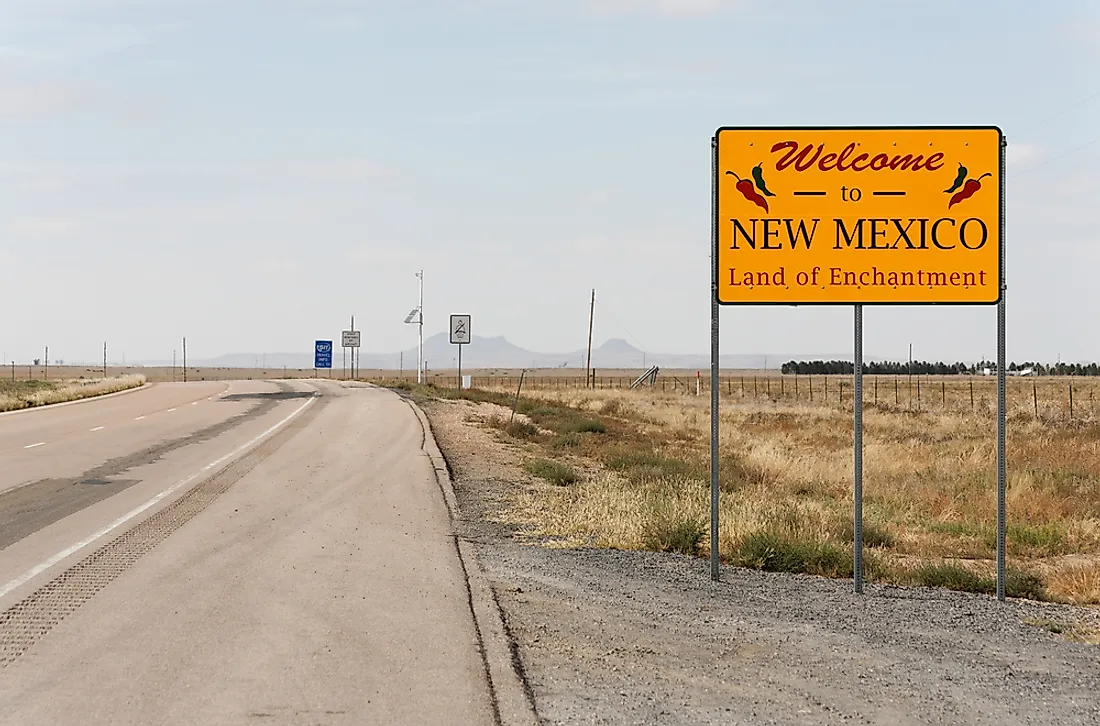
616	637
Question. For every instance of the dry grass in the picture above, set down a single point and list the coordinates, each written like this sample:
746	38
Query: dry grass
930	484
19	394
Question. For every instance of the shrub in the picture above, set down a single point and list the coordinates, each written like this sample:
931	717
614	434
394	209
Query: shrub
611	407
1047	539
772	553
649	465
586	426
954	577
1024	584
552	471
565	441
521	429
670	533
874	534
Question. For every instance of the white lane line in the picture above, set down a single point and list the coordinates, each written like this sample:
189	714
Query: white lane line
138	418
170	410
43	566
194	403
99	428
35	446
19	486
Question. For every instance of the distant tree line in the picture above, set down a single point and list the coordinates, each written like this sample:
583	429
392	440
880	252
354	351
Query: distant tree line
890	368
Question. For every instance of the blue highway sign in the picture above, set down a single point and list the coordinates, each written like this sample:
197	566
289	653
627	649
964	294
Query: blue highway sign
322	354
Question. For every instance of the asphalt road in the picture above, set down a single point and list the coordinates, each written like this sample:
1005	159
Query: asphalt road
222	553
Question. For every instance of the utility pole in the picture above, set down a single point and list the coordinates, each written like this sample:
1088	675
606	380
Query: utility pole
46	370
104	359
173	365
353	369
420	345
185	359
591	317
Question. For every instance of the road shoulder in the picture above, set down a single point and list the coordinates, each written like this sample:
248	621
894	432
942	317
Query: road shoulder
510	692
607	636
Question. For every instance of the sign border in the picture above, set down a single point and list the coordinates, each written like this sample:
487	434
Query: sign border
451	329
1000	222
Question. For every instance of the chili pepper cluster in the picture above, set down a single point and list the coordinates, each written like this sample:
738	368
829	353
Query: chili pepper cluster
968	189
748	188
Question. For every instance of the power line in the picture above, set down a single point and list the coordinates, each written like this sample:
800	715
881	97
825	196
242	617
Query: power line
1052	117
615	318
1053	159
1061	113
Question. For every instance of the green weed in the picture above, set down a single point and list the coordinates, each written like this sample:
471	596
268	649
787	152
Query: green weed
552	471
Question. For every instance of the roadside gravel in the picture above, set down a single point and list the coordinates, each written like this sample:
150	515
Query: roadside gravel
612	637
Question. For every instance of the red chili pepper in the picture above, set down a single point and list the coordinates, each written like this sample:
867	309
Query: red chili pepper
968	190
748	191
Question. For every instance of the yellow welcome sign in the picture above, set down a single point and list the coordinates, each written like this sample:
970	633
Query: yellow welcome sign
859	215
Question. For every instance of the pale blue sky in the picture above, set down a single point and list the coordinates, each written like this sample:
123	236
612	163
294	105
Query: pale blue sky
249	174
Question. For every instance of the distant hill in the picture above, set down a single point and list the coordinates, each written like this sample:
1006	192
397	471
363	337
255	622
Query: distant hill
498	352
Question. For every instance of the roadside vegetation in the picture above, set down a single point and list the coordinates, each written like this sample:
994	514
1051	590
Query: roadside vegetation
630	470
24	393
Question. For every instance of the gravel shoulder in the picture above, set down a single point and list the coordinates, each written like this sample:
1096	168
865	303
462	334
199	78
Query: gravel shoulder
615	637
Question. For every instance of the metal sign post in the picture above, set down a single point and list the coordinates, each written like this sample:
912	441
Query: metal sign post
460	336
714	367
857	514
1001	473
859	216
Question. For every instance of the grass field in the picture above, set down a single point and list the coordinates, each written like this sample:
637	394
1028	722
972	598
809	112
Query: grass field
28	393
786	480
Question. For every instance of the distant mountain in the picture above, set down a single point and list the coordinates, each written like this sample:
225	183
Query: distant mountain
498	352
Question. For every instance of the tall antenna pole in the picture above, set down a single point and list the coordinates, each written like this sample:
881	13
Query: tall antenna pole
591	317
185	360
104	359
420	345
354	370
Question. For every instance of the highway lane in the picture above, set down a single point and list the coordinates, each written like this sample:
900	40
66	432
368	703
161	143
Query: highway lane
51	442
301	570
69	489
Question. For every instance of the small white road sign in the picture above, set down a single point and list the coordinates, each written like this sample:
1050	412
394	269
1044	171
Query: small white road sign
460	329
350	338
